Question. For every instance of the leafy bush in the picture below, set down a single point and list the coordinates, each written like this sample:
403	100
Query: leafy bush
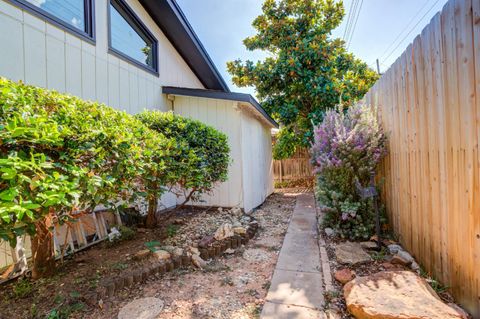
348	147
201	155
61	155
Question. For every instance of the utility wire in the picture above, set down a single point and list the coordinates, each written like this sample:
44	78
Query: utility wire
411	30
405	28
355	24
351	17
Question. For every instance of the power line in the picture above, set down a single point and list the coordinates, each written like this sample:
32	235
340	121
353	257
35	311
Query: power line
351	17
405	28
355	24
411	30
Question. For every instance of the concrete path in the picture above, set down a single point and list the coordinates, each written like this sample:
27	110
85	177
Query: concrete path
296	290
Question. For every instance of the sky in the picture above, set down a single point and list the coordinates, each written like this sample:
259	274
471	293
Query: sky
383	30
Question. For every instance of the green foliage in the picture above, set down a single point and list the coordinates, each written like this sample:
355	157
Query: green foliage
22	288
61	154
153	245
306	72
347	149
126	233
200	158
172	230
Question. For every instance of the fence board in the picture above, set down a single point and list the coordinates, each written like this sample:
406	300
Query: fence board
429	103
297	167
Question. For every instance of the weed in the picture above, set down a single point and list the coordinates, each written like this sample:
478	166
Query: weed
33	310
152	245
59	299
22	288
379	255
126	232
266	285
172	230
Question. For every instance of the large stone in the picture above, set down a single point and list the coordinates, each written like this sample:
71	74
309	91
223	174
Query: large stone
394	248
402	258
395	294
206	241
344	275
349	253
239	231
198	262
223	232
144	308
162	255
142	254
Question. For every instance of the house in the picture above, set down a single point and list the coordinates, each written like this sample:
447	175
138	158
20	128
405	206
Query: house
133	55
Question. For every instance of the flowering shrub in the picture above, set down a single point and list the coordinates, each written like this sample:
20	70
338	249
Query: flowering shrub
347	148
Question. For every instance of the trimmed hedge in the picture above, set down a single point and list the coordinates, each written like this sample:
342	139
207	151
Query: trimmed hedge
61	156
202	156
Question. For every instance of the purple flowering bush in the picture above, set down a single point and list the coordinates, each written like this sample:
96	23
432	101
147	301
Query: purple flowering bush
348	147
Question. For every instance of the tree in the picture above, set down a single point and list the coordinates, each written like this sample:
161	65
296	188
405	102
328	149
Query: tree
199	158
60	158
306	73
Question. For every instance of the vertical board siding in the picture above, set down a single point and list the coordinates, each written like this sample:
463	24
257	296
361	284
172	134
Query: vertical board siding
41	54
223	116
429	102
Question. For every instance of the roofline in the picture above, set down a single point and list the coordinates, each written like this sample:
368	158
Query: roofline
220	95
168	15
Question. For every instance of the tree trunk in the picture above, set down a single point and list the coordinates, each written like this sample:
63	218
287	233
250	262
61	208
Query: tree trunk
152	211
42	249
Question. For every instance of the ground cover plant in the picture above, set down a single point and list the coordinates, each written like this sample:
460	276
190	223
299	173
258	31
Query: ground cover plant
348	147
200	160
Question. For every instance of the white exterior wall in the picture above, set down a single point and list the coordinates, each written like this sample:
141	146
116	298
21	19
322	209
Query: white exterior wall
224	116
257	161
44	55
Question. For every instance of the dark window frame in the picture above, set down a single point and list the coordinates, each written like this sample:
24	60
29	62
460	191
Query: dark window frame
88	35
136	23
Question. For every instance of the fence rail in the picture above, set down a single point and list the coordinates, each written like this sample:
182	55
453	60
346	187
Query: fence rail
295	168
429	102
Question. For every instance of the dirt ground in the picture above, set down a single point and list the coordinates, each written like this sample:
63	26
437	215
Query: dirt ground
233	286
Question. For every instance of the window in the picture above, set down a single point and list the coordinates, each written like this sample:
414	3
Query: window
74	15
130	39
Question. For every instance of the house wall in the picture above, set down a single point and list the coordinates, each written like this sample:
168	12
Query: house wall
224	116
44	55
257	161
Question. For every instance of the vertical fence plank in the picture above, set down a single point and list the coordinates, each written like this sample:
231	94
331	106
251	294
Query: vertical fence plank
429	104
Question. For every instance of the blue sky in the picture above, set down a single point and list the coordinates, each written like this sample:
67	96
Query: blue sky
222	25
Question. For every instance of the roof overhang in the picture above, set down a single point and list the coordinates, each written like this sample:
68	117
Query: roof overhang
170	18
220	95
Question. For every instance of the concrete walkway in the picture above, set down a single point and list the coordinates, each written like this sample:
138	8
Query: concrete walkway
297	289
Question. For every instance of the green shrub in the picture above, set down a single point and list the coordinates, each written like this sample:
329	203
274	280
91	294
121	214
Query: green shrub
200	156
60	154
348	147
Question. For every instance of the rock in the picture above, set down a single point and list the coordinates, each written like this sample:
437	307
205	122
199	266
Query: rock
223	232
393	249
390	266
369	245
344	275
464	314
239	231
349	253
139	255
329	232
177	252
395	294
194	251
402	258
415	267
144	308
198	262
206	241
236	211
162	255
230	251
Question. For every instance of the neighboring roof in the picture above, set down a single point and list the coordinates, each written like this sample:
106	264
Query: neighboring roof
170	18
231	96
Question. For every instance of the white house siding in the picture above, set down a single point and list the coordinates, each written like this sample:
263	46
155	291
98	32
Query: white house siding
41	54
224	116
257	161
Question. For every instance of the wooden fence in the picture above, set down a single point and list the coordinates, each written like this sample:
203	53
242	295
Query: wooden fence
429	102
294	168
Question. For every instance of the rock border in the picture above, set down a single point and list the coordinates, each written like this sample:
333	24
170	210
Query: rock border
110	286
